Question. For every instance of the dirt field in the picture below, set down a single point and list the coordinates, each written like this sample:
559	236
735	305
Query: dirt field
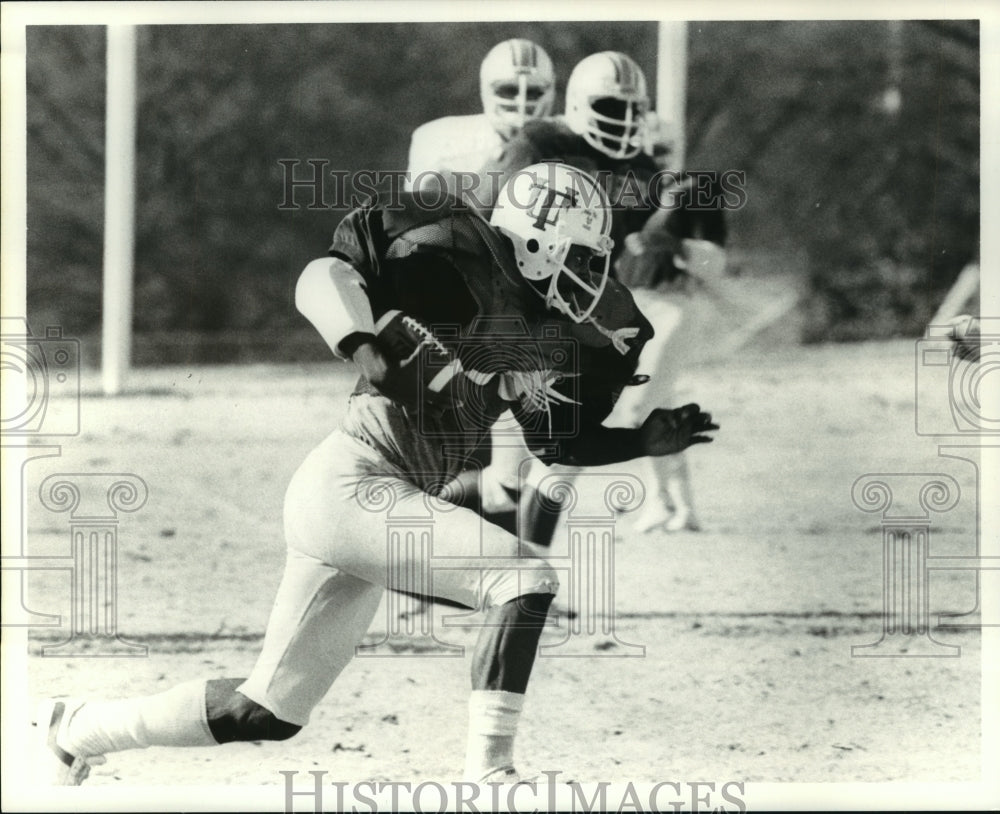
747	627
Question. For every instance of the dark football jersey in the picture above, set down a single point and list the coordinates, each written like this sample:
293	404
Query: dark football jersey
449	269
442	265
607	353
631	184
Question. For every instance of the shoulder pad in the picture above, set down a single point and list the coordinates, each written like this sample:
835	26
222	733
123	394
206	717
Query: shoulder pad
354	241
365	233
407	212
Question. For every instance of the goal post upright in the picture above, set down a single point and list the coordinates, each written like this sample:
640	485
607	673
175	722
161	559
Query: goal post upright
671	83
119	207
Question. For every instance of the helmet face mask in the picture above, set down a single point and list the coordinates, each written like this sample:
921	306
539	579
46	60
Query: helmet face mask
576	287
559	222
606	103
615	124
516	83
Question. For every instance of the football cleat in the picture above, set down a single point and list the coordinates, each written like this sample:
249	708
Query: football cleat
53	765
683	520
658	516
654	517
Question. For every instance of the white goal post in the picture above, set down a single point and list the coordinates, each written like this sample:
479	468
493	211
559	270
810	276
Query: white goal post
671	83
119	207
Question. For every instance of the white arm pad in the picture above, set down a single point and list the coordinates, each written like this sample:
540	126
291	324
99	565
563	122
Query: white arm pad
331	295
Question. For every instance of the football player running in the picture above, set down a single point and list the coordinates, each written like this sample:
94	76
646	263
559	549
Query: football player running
661	241
516	84
392	276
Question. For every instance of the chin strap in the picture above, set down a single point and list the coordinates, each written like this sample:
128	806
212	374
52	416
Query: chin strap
534	390
619	338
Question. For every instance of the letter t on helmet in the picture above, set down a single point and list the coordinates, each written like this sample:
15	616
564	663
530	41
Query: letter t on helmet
559	222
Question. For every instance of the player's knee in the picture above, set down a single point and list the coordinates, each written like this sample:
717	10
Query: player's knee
542	580
546	582
536	586
234	717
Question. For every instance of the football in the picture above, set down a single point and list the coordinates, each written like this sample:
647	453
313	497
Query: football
408	341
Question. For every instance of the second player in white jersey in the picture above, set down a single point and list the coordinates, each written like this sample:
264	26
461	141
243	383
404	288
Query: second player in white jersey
516	83
450	145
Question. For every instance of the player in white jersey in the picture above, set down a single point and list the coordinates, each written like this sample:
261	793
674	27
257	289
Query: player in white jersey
516	84
393	275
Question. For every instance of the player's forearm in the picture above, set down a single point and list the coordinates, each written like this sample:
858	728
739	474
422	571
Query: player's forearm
599	445
665	431
386	376
377	358
364	351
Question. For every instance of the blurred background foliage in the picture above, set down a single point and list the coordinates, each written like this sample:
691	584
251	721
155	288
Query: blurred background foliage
870	205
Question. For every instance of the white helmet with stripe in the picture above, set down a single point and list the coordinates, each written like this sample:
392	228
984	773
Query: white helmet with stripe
606	102
559	220
517	83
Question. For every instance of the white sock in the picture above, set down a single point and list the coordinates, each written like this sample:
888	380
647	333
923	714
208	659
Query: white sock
493	717
176	717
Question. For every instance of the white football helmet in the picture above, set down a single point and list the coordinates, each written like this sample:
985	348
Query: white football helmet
559	220
517	83
606	102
